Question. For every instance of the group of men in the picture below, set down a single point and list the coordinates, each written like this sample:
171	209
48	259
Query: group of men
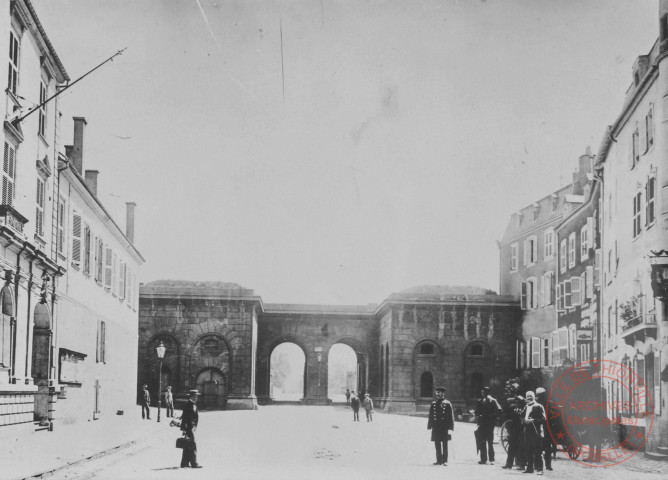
146	402
529	440
354	402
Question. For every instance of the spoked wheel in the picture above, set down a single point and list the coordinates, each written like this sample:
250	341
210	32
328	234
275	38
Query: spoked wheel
504	435
573	450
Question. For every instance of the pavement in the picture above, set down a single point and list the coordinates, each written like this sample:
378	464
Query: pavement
295	442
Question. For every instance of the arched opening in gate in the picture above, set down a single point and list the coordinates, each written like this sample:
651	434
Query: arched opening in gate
287	371
426	385
212	388
342	372
478	368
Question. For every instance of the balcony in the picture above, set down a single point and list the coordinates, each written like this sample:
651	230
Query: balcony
639	328
12	219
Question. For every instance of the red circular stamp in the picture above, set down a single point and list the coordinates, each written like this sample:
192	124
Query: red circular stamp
593	428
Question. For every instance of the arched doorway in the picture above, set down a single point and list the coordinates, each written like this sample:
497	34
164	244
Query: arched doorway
41	344
427	368
342	372
7	300
287	371
478	369
212	388
427	385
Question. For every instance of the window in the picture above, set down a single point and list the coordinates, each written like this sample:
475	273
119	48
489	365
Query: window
556	360
562	256
531	250
513	256
566	292
548	288
535	352
560	297
546	352
529	297
61	226
572	342
563	343
548	247
8	174
427	349
42	109
76	239
584	243
39	214
589	280
650	189
87	247
571	250
108	259
114	274
477	350
576	298
636	214
101	341
14	55
584	294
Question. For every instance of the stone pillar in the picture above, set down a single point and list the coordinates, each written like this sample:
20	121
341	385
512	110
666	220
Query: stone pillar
316	378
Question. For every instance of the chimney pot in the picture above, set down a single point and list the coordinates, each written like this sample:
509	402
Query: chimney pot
77	148
130	221
91	180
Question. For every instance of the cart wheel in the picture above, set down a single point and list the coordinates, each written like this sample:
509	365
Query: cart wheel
574	451
504	434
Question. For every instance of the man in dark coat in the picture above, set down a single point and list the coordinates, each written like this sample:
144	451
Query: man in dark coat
145	403
533	419
189	420
515	428
485	413
441	422
355	404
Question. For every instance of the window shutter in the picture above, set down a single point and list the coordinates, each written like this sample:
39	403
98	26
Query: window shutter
107	267
541	291
76	239
575	291
555	349
643	136
523	298
535	352
121	279
8	172
525	252
114	274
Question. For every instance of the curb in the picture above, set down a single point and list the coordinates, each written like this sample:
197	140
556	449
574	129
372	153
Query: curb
101	453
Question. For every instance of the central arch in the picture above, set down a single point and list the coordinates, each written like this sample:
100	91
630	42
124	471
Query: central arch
342	364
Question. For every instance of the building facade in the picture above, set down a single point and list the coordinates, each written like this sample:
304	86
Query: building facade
69	310
220	338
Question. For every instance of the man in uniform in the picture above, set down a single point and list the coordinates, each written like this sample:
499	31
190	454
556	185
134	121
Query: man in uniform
533	419
145	403
485	413
189	420
441	422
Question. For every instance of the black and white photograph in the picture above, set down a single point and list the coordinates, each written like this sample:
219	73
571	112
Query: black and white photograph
334	239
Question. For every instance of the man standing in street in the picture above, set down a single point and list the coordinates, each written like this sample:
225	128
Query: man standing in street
347	396
189	420
548	444
533	418
145	403
355	404
368	407
441	422
514	414
485	413
169	402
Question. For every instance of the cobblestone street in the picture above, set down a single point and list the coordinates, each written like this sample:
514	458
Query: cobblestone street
291	442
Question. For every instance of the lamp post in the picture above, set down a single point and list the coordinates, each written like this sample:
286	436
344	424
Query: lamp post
160	350
319	360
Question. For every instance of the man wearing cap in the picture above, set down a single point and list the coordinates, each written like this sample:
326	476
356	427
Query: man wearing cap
486	412
169	402
441	422
548	444
145	403
189	420
368	407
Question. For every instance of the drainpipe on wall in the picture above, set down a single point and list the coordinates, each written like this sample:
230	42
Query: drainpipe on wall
14	324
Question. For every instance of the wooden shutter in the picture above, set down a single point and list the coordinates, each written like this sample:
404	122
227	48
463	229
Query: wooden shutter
114	274
121	279
76	239
8	173
643	136
108	257
535	352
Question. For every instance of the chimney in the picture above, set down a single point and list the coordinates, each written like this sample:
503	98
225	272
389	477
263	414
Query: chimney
91	180
77	148
130	221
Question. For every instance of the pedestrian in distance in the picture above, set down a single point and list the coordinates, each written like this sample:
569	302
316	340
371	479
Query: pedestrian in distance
355	404
145	403
441	422
189	421
368	407
486	412
347	396
548	445
533	419
169	402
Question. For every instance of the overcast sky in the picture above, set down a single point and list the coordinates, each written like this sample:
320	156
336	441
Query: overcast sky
379	146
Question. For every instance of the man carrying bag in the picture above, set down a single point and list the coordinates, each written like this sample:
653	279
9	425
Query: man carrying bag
189	420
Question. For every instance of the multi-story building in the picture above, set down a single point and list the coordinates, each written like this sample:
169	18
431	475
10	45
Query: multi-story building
529	253
69	291
30	138
634	170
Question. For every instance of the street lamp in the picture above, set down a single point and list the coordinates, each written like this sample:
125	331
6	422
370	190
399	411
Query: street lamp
319	360
160	349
